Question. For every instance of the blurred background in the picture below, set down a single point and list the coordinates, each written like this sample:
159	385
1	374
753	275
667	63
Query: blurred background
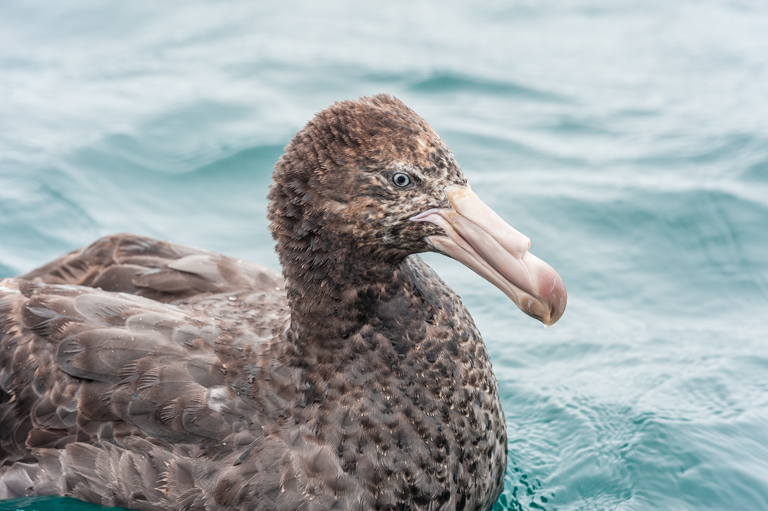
628	140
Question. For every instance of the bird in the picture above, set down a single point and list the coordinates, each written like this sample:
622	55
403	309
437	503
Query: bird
149	375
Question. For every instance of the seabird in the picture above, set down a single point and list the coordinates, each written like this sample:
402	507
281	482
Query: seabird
153	376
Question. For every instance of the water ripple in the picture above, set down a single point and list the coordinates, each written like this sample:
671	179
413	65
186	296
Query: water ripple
629	142
451	83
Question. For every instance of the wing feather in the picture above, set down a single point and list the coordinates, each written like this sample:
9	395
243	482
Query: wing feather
129	373
155	269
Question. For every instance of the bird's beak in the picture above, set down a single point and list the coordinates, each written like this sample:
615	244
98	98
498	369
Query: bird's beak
477	237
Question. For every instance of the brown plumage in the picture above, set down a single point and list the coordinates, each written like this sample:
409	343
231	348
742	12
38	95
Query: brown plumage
148	375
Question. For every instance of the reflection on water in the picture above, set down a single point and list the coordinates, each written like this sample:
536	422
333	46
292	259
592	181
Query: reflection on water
630	142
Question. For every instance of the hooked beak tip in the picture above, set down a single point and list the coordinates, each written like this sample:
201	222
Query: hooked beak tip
477	237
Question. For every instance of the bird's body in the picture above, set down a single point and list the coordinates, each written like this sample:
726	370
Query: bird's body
148	375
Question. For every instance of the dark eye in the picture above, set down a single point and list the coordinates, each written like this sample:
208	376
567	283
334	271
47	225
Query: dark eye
401	180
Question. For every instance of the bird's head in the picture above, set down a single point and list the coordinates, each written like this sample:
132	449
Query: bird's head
373	179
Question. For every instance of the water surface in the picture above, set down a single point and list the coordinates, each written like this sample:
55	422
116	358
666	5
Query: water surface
629	141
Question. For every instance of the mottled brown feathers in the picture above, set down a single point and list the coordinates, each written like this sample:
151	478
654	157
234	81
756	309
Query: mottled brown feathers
153	376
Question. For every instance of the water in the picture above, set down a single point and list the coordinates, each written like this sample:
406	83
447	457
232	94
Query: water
628	140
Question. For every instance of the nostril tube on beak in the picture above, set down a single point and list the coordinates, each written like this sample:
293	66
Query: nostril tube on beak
480	239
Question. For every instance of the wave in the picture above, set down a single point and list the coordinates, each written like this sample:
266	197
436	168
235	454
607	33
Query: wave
452	83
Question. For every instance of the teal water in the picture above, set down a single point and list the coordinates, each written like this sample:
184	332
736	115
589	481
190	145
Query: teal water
628	140
51	503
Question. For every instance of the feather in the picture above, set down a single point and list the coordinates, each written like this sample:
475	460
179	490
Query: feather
149	375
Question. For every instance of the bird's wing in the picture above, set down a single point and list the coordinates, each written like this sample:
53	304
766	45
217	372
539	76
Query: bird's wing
104	392
155	269
80	363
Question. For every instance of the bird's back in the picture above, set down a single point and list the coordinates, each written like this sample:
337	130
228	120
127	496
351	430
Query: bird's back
119	370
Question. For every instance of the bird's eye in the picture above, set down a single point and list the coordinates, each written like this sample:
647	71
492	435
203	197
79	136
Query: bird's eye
401	180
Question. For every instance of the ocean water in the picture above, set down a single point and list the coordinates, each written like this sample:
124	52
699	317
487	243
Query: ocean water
629	140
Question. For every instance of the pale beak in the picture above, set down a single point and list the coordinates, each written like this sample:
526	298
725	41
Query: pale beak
481	240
